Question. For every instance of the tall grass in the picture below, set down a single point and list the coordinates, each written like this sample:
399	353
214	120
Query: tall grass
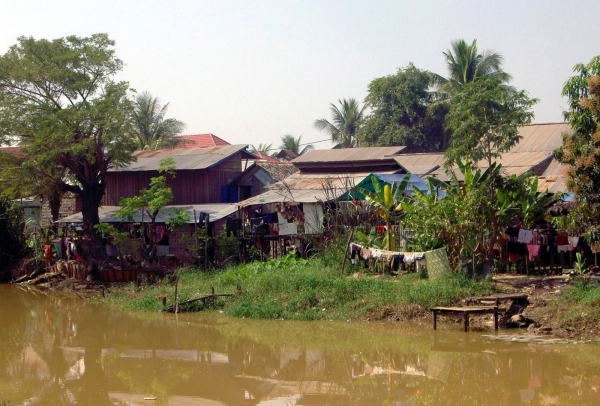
579	306
294	288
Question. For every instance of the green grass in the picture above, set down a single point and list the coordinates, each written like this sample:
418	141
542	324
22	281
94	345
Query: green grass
292	288
579	306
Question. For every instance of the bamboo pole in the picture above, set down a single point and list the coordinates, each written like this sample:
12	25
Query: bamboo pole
346	250
175	303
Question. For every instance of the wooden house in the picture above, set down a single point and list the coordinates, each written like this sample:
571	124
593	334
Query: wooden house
202	174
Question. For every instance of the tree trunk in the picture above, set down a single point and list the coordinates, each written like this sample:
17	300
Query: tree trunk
54	201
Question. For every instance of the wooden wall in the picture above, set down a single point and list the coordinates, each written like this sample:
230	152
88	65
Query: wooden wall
189	186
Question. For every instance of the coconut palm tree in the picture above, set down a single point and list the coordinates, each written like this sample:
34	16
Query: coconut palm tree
151	129
346	121
294	144
465	64
264	148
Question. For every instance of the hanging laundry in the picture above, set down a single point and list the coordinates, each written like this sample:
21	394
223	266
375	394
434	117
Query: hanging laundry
365	253
281	218
534	251
387	262
202	219
398	259
255	223
233	226
563	248
595	247
48	252
271	218
409	257
160	232
512	231
517	248
573	241
561	239
525	236
380	229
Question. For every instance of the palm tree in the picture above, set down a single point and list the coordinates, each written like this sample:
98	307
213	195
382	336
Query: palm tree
151	129
294	144
465	64
346	122
264	148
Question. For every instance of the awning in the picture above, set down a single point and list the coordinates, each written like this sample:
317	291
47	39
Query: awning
216	211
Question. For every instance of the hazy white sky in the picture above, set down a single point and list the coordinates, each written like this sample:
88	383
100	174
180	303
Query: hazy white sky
251	71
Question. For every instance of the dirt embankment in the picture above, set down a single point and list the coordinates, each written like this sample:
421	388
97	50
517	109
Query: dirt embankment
541	314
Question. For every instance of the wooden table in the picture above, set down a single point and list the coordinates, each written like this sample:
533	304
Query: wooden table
466	311
496	299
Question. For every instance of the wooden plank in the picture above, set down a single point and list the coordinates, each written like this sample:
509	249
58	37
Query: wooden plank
496	298
203	298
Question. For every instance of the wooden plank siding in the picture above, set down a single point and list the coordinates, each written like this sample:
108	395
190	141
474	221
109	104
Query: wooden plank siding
189	186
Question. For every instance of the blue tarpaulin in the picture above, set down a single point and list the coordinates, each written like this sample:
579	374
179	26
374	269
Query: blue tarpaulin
390	179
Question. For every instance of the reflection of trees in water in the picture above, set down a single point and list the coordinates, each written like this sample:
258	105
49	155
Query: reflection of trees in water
57	348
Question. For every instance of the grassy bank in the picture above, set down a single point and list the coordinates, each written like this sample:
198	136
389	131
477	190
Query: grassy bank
315	289
579	308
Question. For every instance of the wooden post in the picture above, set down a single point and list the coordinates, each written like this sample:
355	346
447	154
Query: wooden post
466	321
196	235
434	319
496	315
346	250
175	303
206	223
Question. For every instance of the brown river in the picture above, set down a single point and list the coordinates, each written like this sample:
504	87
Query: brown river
64	351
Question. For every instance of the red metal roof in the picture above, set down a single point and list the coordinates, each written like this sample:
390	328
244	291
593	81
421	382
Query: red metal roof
267	158
203	140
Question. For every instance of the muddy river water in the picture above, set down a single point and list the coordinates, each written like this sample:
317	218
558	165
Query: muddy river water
64	351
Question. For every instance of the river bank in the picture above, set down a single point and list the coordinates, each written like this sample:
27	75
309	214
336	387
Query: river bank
295	289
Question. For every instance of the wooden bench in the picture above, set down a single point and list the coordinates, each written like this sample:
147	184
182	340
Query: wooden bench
466	311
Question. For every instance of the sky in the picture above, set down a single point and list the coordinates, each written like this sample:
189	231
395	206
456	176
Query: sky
252	71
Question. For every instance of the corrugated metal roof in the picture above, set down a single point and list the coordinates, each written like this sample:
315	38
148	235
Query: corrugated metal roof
513	163
348	155
555	169
554	184
541	137
421	163
525	159
216	212
185	158
308	188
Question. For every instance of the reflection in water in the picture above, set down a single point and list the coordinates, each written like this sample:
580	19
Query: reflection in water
62	351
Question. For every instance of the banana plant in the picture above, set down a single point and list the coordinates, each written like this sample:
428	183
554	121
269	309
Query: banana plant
388	200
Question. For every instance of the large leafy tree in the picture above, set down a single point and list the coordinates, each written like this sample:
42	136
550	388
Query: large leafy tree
150	127
403	112
484	119
294	144
346	121
59	99
466	64
581	148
